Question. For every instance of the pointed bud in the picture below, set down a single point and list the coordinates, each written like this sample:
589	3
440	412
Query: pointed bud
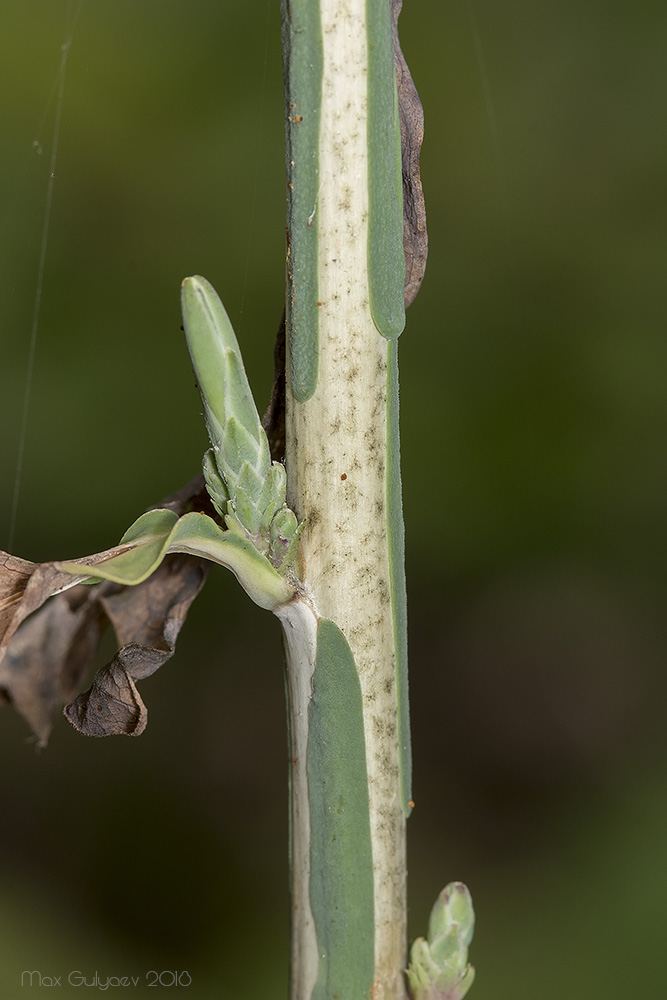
246	488
439	968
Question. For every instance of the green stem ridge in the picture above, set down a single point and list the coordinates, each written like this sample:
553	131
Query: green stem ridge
341	883
302	70
399	604
386	259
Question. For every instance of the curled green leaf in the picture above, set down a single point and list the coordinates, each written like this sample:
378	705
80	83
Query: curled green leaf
200	536
159	532
143	547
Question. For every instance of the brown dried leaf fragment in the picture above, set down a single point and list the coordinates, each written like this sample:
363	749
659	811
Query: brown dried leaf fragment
147	619
14	576
411	118
111	707
48	657
44	659
25	586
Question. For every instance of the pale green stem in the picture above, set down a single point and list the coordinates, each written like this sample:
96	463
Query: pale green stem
342	469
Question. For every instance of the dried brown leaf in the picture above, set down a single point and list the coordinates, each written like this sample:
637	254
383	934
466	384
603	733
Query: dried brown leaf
147	619
47	658
43	659
14	576
111	707
411	118
26	586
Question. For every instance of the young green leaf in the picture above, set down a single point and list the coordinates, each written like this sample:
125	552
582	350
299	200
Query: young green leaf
159	532
243	482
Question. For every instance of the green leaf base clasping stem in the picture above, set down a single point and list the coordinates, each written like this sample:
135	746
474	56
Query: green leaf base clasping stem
258	539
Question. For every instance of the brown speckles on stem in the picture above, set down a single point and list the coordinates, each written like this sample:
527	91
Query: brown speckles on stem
338	474
344	203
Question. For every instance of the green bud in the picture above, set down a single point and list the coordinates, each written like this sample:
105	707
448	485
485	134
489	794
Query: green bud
285	533
216	359
439	968
452	907
246	488
284	525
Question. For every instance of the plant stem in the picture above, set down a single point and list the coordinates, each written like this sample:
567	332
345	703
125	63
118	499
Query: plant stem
342	469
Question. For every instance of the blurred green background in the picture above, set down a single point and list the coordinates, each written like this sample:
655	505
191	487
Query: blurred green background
534	429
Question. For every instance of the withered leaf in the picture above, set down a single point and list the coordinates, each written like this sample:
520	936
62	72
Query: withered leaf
147	619
44	659
25	586
14	576
411	118
111	707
